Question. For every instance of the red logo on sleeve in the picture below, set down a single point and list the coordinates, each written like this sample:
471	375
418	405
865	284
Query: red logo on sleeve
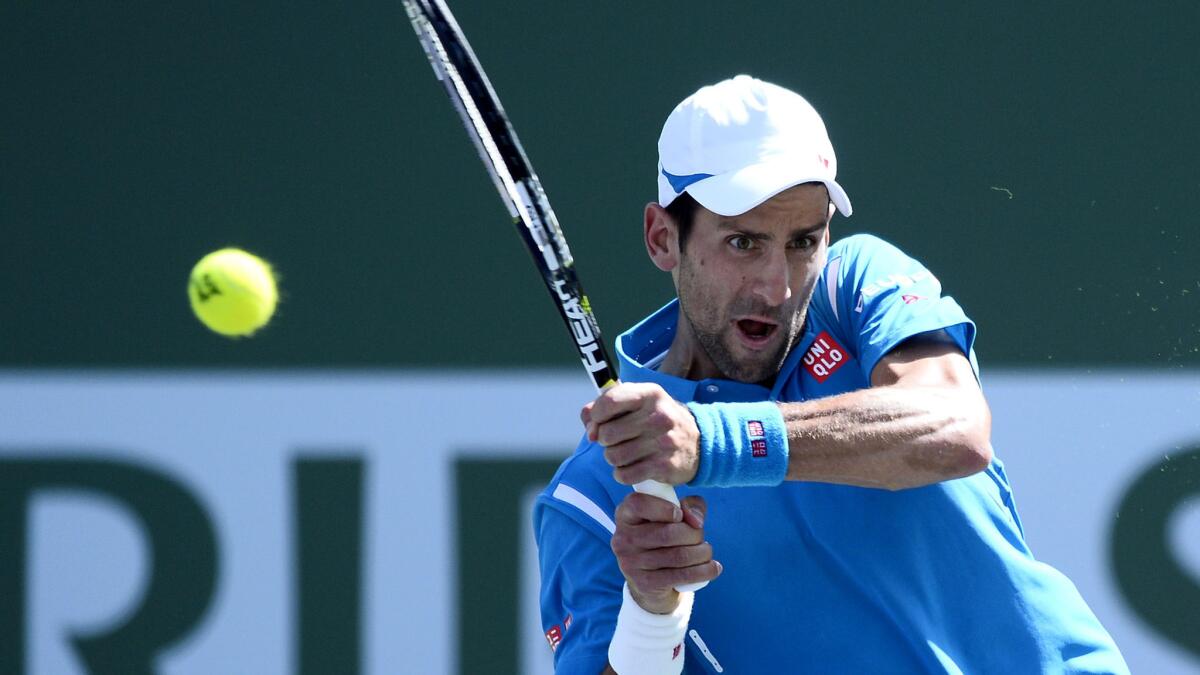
824	357
758	448
555	635
675	653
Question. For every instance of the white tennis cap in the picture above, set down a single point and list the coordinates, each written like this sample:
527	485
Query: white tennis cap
735	144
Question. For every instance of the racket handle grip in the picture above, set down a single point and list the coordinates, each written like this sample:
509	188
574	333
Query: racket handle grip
657	489
664	492
667	493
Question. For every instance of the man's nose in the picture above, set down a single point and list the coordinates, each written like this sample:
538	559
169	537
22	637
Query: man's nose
774	278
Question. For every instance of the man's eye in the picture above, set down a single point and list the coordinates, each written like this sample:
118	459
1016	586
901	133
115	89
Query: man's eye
804	243
741	242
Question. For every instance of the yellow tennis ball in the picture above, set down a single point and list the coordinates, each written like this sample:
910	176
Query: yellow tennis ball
233	292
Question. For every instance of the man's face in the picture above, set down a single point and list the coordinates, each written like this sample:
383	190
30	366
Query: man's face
744	281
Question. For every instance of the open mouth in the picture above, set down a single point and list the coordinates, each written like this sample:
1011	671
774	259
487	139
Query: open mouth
754	332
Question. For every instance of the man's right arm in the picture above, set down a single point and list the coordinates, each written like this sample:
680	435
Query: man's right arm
660	546
580	586
657	547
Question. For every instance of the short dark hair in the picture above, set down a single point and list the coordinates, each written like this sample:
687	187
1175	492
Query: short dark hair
682	210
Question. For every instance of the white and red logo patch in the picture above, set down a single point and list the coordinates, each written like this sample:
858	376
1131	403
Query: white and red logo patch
555	635
754	429
824	357
758	448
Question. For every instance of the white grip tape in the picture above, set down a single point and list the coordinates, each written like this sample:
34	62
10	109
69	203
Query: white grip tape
645	643
657	489
664	491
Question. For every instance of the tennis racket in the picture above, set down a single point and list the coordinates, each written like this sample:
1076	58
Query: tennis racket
456	67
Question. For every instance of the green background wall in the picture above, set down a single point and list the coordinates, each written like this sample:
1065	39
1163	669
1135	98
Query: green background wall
1041	158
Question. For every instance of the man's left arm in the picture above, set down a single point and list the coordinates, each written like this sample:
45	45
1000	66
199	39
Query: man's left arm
923	420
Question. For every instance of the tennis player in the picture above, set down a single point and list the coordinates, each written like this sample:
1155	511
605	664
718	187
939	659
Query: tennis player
819	408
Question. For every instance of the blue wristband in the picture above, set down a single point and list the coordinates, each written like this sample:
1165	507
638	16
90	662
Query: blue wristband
741	444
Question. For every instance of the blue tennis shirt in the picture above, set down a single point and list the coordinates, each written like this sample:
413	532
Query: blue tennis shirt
818	577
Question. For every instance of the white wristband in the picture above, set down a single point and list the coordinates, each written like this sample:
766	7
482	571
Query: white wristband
645	643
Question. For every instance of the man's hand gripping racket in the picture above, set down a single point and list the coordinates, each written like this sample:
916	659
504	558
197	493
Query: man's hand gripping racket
455	65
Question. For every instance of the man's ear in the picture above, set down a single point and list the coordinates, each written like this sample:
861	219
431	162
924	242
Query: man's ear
661	237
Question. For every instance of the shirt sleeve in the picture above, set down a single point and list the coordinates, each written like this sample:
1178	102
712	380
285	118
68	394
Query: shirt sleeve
880	297
581	589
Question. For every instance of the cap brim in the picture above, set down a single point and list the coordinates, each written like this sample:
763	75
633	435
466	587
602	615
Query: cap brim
736	192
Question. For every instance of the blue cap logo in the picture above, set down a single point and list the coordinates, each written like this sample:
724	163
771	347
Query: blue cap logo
680	183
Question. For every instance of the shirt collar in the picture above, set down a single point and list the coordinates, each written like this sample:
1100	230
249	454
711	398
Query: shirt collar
641	349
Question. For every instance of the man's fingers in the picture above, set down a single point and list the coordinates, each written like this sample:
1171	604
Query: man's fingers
653	467
646	434
641	422
600	427
627	453
660	546
672	557
633	539
618	430
620	399
694	510
585	416
650	580
638	508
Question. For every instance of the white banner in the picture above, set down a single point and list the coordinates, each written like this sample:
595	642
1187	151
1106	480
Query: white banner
228	448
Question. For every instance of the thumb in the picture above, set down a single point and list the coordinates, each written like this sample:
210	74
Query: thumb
695	510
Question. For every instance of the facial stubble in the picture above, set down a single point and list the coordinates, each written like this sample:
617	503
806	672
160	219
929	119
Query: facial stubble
714	340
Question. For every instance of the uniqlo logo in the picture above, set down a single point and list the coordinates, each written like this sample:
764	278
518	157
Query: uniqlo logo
758	448
824	357
910	299
678	648
754	429
554	637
